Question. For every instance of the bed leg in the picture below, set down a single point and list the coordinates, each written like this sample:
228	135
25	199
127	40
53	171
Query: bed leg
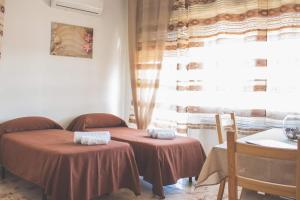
44	196
190	179
3	173
161	196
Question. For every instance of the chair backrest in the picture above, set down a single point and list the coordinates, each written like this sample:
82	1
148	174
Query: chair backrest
235	180
220	126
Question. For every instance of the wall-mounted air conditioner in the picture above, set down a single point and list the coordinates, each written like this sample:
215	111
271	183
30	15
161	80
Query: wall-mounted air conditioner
87	6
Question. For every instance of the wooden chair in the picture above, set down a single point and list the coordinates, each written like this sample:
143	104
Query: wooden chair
220	127
235	180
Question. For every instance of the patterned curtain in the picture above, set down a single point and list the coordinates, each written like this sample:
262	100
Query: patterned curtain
2	11
230	55
148	27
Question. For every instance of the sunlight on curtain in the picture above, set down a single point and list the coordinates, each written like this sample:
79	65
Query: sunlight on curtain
148	24
229	55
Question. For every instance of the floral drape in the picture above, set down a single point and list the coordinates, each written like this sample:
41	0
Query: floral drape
2	11
230	55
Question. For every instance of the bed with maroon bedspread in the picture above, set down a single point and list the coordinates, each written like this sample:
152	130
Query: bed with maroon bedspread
68	171
160	162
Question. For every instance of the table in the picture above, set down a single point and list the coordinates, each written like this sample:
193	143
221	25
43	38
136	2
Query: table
275	171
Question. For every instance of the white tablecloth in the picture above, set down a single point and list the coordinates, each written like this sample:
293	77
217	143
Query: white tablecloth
276	171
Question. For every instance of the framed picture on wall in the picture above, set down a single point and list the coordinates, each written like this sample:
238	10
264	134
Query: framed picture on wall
71	40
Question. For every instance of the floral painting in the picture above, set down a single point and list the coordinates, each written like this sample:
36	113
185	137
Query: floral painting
2	11
70	40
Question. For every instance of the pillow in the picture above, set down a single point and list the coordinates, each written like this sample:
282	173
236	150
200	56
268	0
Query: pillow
96	120
28	124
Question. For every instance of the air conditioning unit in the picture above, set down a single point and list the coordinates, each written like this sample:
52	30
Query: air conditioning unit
87	6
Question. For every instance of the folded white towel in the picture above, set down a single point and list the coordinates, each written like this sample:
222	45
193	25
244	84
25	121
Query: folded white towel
92	138
166	134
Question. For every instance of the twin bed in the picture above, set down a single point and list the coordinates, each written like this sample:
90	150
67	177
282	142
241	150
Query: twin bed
40	151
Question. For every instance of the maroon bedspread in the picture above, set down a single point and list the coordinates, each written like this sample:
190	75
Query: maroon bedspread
68	171
161	162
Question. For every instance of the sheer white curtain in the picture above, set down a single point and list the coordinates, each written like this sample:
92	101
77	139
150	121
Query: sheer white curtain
148	24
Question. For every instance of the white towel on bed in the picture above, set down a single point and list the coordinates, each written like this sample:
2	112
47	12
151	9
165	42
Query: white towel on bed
166	134
92	138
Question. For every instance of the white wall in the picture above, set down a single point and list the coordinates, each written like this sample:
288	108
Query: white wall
32	82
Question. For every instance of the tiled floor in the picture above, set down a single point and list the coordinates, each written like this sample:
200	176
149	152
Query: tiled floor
13	188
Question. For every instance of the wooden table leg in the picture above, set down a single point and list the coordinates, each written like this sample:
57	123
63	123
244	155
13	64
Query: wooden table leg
221	189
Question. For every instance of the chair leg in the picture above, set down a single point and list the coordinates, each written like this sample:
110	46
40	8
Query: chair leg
3	173
190	179
221	189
